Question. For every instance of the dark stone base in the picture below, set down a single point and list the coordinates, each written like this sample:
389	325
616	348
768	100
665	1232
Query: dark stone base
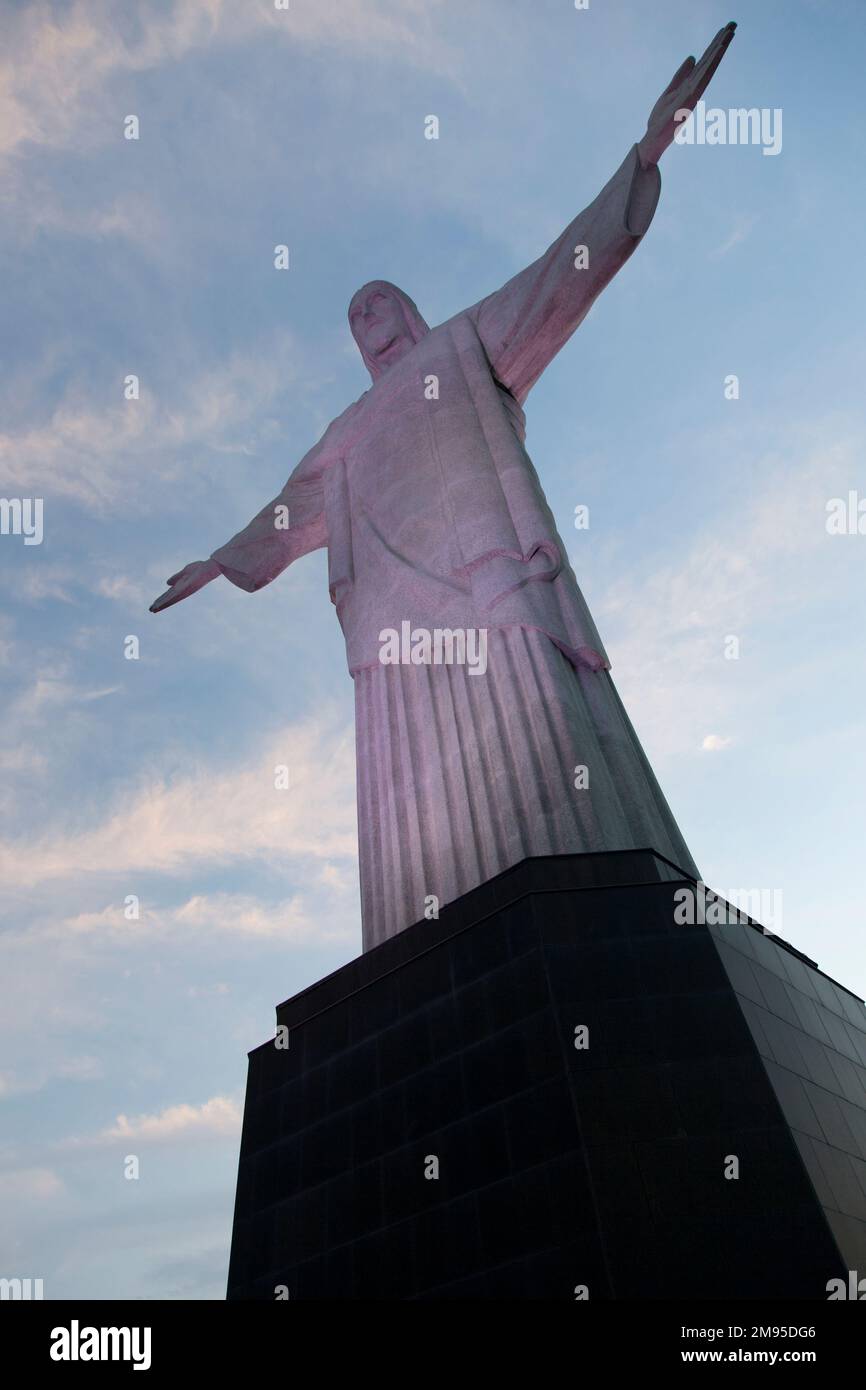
558	1167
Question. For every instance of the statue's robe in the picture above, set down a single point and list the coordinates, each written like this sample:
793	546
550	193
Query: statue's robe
433	514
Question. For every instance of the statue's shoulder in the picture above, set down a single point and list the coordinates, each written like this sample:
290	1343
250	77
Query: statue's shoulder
354	409
328	447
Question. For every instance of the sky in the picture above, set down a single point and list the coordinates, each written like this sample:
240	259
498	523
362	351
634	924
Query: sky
148	775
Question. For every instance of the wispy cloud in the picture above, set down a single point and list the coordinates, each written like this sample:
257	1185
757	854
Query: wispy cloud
68	1068
218	1118
739	233
155	257
57	63
293	921
31	1185
50	690
737	576
714	743
108	455
215	817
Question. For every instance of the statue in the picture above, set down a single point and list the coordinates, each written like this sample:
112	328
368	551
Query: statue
487	726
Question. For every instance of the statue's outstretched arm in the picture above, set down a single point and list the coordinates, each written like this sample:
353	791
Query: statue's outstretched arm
289	526
525	323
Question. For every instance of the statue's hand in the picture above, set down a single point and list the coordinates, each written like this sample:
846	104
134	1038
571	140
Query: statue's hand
682	93
187	581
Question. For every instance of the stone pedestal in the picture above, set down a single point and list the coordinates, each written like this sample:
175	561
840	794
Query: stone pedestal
433	1131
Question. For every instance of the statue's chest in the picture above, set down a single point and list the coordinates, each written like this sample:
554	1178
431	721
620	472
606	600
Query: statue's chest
407	434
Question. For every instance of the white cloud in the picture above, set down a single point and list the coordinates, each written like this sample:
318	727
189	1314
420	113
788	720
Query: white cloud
36	583
743	574
96	455
48	691
41	208
714	743
218	1118
204	817
82	1068
30	1185
207	991
74	1068
22	760
293	921
56	63
123	590
739	233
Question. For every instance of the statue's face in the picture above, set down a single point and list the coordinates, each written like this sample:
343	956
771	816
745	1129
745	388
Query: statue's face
378	325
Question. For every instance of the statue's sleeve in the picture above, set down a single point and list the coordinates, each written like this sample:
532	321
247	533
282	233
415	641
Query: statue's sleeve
287	528
524	324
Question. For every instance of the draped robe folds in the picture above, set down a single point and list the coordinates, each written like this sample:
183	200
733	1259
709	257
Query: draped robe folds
433	514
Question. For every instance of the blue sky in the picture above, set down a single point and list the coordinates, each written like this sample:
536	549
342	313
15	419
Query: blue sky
154	777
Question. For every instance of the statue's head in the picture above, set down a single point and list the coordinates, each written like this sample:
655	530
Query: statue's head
385	324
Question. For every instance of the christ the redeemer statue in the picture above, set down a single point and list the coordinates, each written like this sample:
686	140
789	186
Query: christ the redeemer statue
435	522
